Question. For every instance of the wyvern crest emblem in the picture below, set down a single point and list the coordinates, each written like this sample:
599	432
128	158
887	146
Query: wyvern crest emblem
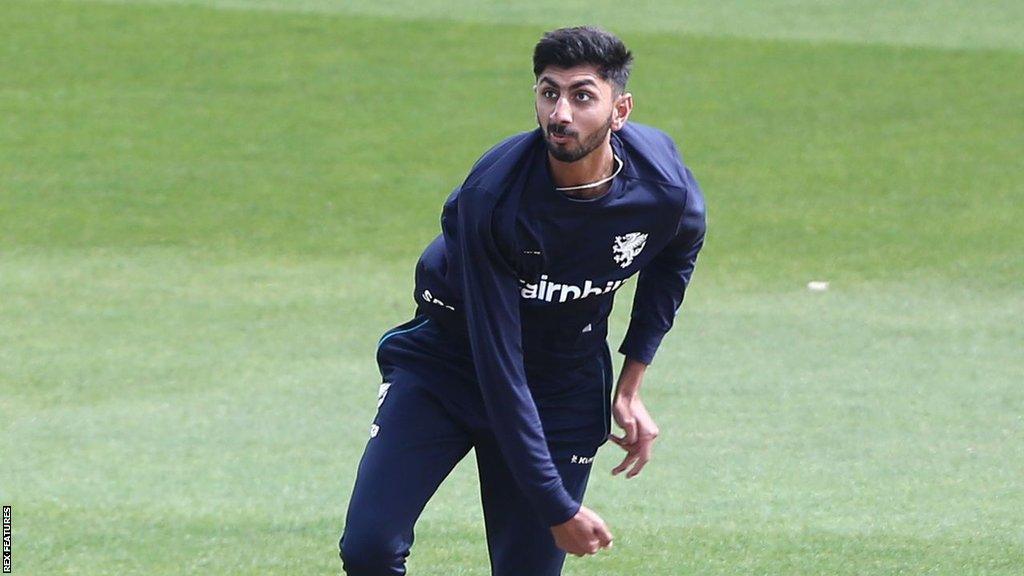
627	247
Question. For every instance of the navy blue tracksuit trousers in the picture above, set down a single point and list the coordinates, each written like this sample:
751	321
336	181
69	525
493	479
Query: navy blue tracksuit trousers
430	413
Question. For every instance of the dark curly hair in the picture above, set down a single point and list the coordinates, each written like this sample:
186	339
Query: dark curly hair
569	47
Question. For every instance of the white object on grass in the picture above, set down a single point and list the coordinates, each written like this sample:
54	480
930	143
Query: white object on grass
817	285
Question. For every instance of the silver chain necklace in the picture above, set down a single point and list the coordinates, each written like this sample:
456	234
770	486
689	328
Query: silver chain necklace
599	182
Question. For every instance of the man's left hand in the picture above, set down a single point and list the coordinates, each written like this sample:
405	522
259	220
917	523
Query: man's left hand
639	433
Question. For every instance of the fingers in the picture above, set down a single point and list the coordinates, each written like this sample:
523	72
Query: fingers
592	546
626	462
628	437
637	456
620	440
601	538
593	536
628	426
644	456
604	536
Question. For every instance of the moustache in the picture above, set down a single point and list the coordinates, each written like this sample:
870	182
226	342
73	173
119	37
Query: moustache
560	130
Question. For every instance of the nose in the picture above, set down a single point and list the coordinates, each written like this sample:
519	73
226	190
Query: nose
562	112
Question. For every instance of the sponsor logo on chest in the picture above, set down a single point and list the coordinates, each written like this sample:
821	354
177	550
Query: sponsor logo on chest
550	291
625	249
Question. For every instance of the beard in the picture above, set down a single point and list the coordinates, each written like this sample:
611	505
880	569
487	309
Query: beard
571	152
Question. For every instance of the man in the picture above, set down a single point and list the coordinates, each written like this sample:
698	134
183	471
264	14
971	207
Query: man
507	352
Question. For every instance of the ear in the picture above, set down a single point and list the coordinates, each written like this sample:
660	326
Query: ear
621	109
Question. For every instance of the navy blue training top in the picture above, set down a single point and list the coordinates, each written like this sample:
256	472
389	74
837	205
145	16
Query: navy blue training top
528	275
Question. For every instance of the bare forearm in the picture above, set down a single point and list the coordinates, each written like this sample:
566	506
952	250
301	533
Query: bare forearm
630	379
638	428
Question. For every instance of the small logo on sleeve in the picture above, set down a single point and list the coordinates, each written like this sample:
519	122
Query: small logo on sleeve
428	297
382	392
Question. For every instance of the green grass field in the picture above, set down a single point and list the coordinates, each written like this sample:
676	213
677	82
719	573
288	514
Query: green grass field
210	210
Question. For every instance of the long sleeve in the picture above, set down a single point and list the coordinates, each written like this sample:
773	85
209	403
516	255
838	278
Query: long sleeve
490	290
663	281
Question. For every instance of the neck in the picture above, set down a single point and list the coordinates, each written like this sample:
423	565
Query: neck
595	166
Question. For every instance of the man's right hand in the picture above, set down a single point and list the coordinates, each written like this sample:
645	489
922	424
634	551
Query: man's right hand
585	533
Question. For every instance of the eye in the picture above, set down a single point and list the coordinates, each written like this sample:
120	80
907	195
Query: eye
549	94
584	96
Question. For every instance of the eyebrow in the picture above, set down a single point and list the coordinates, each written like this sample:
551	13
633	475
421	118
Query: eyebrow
574	85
